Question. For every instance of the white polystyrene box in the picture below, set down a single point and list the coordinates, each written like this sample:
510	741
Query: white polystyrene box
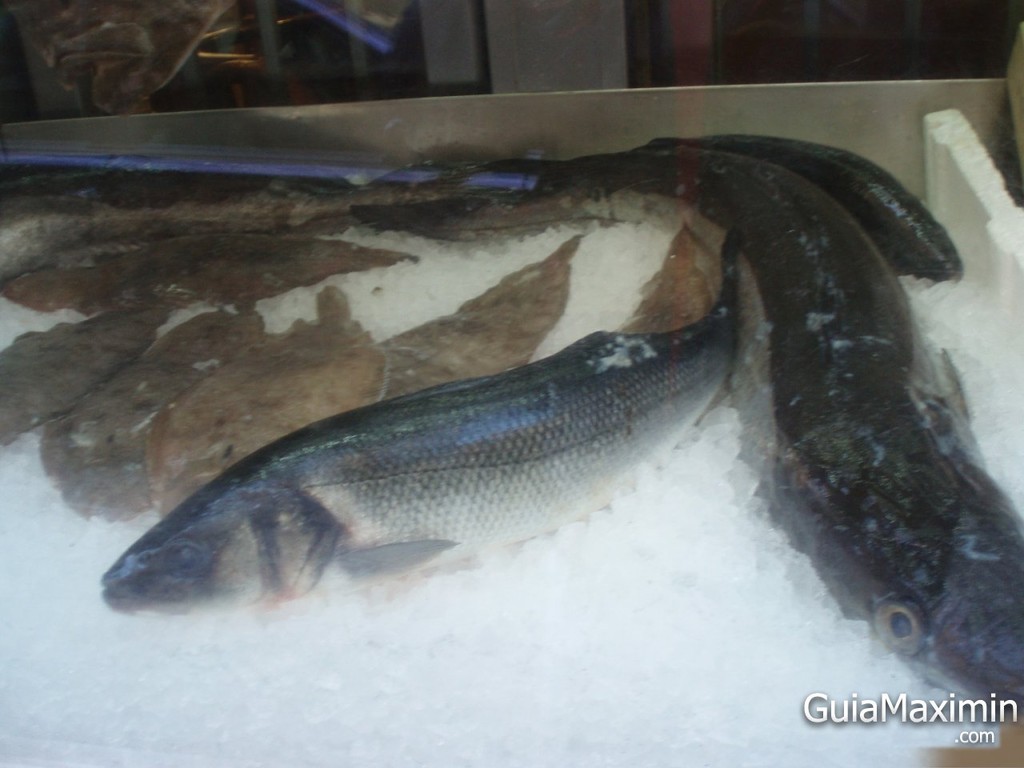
967	194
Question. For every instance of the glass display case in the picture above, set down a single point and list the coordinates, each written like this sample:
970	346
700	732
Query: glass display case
472	382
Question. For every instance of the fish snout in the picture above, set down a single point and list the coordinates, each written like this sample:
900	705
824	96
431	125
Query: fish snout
162	577
977	629
120	597
986	661
120	585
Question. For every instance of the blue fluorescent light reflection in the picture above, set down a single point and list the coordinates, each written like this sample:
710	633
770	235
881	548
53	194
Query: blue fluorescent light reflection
354	173
502	180
356	27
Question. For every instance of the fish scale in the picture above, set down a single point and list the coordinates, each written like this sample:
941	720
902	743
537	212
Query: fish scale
536	443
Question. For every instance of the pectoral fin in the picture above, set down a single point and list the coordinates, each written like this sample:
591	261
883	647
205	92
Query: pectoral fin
955	395
392	558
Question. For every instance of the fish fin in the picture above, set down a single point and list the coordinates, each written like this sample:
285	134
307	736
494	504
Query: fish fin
722	396
940	401
934	377
392	558
955	396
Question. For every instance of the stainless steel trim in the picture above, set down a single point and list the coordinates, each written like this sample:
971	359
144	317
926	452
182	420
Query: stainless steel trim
881	120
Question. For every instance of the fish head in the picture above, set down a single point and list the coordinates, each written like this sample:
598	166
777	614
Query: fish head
937	563
970	636
978	627
198	554
233	540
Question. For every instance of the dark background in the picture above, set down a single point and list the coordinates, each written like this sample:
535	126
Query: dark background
773	41
669	42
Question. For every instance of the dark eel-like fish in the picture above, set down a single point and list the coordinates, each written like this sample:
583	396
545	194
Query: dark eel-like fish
873	469
869	462
438	474
529	194
905	232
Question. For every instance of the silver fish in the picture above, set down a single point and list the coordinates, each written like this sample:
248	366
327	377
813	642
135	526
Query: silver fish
431	476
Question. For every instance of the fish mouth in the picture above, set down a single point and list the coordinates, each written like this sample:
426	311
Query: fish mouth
977	630
119	591
124	597
127	588
990	663
119	600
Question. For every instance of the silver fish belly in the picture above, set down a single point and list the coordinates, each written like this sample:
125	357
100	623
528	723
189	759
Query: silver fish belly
438	474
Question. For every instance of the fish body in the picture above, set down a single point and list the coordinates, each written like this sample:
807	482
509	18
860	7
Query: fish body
237	269
595	188
903	230
44	374
82	217
96	451
51	219
869	463
437	474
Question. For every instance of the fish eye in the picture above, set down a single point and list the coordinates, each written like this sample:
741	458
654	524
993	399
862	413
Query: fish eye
185	557
900	626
